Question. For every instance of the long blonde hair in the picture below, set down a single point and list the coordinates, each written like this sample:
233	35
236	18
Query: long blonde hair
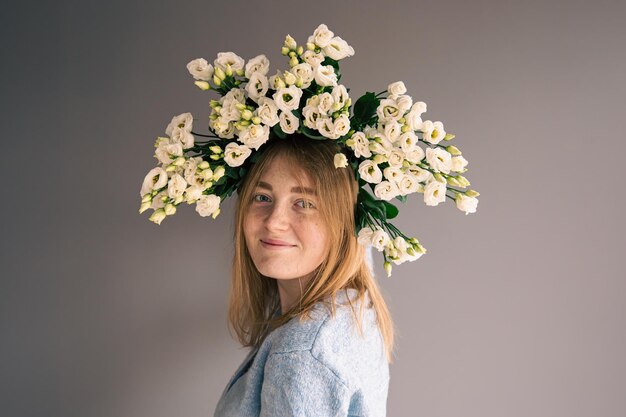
254	298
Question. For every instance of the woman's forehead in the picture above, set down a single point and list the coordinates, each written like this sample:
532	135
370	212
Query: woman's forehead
285	172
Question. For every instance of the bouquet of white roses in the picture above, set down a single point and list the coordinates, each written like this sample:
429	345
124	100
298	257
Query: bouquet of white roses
382	137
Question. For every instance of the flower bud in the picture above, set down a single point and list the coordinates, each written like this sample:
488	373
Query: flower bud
454	151
472	193
178	200
202	85
169	209
463	181
170	168
300	50
404	129
215	157
218	173
246	114
179	161
388	267
204	164
449	136
144	206
284	50
452	181
160	140
290	43
219	73
214	103
216	80
146	198
240	72
439	177
229	71
214	149
256	120
215	213
379	159
310	46
158	216
293	62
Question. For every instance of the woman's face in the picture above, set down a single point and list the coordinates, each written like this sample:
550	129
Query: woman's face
283	228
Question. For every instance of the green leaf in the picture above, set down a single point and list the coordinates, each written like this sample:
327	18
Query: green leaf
279	132
365	108
391	210
312	134
401	198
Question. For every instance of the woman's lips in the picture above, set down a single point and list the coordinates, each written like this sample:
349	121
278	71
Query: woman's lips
275	244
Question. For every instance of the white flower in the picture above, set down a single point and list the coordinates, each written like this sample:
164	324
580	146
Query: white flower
381	146
458	163
326	127
259	64
392	131
408	141
167	152
235	155
304	72
288	122
396	88
176	186
290	78
386	190
365	236
408	184
267	111
340	160
341	126
439	159
288	98
433	132
387	110
434	193
340	96
326	102
225	59
420	174
200	69
312	58
311	116
183	121
158	200
466	204
208	205
182	136
222	128
254	136
189	170
193	193
338	49
413	117
230	103
325	75
155	179
395	157
404	103
370	172
321	36
276	81
257	86
360	145
393	174
415	155
380	239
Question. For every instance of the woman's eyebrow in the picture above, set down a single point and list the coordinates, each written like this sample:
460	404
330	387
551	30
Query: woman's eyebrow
294	190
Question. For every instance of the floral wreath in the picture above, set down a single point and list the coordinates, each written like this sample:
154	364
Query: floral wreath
379	138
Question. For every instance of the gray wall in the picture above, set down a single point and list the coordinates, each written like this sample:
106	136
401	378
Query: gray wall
517	310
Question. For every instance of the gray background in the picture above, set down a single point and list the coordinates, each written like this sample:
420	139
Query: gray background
517	310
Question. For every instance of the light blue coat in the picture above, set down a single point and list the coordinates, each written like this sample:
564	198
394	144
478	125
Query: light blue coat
320	367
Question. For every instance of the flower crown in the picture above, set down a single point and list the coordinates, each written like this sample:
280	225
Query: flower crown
379	138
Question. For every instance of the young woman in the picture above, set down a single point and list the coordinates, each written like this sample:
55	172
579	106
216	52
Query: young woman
303	297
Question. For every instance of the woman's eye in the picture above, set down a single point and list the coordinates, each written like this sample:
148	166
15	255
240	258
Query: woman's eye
305	204
260	198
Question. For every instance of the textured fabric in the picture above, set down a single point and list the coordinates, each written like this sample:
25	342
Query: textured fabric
319	367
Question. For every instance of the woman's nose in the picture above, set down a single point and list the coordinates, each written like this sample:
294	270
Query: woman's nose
277	218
